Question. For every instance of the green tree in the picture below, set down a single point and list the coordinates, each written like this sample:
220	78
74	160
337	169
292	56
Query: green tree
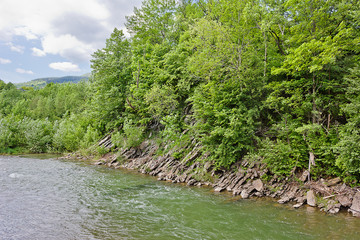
111	76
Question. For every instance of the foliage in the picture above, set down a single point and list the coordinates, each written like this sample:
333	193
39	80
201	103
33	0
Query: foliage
276	80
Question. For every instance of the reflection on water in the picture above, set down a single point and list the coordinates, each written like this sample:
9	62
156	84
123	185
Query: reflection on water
53	199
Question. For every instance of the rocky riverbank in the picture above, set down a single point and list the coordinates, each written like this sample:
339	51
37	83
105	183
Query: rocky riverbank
245	179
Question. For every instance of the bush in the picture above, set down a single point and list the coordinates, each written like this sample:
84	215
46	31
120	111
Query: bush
279	156
69	132
349	151
38	134
91	136
118	140
134	134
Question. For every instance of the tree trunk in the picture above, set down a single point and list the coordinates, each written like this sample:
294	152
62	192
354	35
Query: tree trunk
314	107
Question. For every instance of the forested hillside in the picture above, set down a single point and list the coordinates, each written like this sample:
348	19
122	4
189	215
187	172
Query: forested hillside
275	81
41	82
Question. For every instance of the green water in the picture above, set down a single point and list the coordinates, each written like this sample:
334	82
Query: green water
56	199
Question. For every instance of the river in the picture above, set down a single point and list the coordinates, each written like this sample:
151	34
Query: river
43	198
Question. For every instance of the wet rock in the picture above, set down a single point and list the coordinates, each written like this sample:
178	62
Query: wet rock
355	207
334	210
207	183
284	199
236	192
311	198
258	185
298	205
333	207
244	194
219	189
116	164
191	182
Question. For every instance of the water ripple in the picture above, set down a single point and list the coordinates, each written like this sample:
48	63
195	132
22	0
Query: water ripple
52	199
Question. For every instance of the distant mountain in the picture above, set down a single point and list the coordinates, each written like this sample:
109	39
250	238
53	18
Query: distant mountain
41	82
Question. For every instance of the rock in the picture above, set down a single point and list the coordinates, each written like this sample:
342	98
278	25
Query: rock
297	205
301	199
355	207
333	182
236	192
256	174
334	210
322	206
244	194
288	196
344	201
191	182
258	185
330	204
311	198
283	200
219	189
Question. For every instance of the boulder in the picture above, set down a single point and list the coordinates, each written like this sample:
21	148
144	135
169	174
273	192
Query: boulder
258	185
344	201
355	207
311	198
244	194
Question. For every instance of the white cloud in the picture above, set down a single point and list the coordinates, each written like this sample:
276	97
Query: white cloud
65	66
71	29
16	48
26	32
23	71
4	61
67	46
38	52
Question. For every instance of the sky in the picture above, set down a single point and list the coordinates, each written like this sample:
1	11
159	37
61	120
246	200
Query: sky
55	38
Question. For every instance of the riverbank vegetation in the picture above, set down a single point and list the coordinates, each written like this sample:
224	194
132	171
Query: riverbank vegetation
270	81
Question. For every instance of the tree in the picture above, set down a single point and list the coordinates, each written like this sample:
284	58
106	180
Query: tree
110	78
320	48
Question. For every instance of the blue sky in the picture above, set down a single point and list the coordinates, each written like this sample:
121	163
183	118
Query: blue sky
54	38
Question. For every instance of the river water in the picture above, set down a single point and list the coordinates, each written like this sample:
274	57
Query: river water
58	199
